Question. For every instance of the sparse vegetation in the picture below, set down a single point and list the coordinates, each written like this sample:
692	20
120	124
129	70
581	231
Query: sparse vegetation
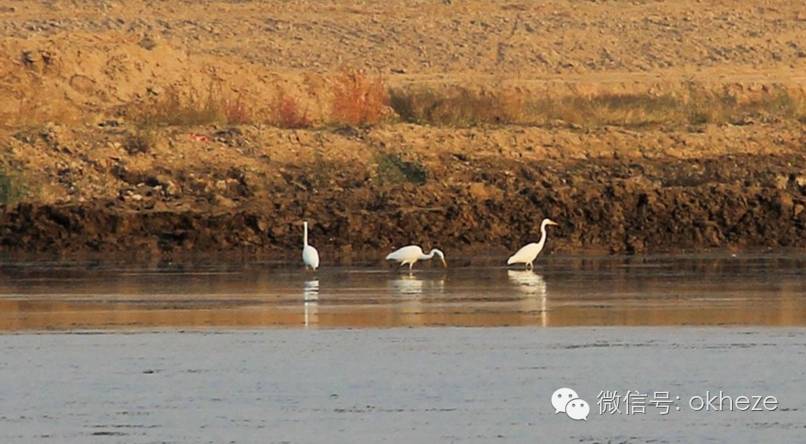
358	100
457	106
236	111
286	113
693	104
140	142
721	107
392	168
606	109
11	188
175	107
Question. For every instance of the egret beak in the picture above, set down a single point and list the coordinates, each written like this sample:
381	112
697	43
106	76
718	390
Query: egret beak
445	264
551	222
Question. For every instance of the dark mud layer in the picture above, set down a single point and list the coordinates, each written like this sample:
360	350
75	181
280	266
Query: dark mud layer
458	203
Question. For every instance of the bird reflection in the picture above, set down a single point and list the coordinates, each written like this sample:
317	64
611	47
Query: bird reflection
310	293
414	293
407	284
527	281
534	288
411	285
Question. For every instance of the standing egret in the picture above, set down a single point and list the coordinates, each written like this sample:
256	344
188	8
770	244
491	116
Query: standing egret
413	253
528	253
309	254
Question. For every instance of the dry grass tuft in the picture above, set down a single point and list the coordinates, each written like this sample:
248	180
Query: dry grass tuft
723	107
629	110
192	107
689	104
358	100
140	142
286	113
457	106
236	111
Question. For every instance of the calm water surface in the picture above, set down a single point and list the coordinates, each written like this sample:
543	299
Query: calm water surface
563	291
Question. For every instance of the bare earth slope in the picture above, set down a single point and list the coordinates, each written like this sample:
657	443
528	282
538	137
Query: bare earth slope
70	73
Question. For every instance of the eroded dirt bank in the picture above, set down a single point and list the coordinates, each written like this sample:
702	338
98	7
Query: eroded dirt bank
93	160
365	191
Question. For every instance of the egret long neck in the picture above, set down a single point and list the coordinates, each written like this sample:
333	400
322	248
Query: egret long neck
305	234
542	234
428	256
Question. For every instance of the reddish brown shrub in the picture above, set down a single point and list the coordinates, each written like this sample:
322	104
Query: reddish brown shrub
286	113
236	112
358	100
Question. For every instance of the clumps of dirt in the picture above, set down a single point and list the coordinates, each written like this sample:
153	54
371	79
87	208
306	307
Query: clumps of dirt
643	206
369	189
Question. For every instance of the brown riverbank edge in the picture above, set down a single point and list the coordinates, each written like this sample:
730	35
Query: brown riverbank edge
248	189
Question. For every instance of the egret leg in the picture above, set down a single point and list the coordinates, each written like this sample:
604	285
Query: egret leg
411	264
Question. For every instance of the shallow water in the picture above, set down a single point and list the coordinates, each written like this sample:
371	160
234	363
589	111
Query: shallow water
562	291
455	385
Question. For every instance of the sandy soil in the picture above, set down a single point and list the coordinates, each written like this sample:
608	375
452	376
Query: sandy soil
68	69
398	385
81	59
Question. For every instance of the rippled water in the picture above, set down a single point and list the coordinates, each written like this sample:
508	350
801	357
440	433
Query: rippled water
563	291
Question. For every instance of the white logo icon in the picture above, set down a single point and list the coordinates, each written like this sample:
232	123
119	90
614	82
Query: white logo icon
566	400
577	409
560	398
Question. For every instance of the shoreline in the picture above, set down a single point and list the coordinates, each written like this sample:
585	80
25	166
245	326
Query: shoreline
230	330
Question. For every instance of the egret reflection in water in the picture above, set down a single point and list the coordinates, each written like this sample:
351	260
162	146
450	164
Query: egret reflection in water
755	290
527	281
534	288
413	285
310	294
407	285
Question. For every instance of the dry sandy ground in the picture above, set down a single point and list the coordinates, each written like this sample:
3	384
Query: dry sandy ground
83	57
397	385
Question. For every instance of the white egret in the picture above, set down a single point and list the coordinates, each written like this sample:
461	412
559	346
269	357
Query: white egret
528	253
309	254
413	253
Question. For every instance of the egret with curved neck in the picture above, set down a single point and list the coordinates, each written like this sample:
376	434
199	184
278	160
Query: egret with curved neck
411	254
309	254
528	253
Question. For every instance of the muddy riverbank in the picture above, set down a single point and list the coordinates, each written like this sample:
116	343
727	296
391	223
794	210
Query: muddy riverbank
366	191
